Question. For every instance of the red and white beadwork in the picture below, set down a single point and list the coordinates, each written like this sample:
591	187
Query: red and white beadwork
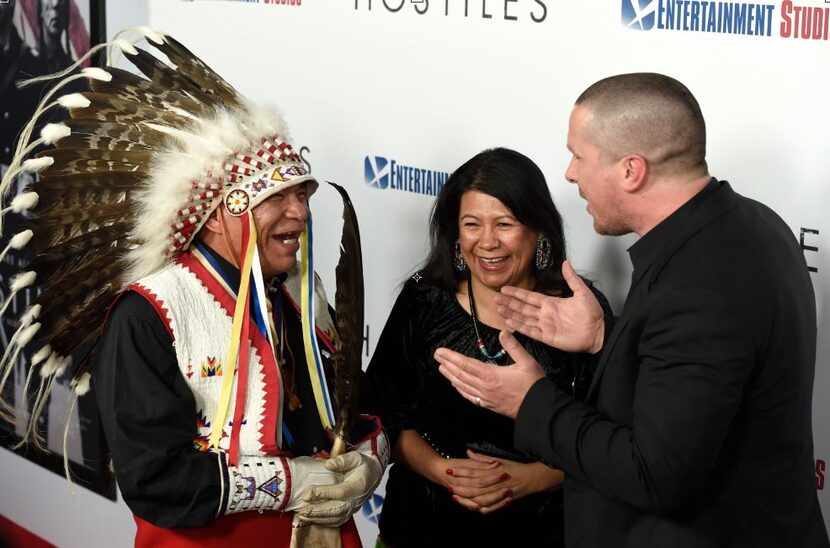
245	180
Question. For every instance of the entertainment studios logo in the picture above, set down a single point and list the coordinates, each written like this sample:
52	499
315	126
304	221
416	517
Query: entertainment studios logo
496	10
788	20
382	173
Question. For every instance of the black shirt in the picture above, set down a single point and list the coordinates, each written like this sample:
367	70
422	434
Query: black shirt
406	390
645	251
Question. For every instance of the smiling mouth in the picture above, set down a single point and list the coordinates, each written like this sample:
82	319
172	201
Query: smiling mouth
288	238
493	261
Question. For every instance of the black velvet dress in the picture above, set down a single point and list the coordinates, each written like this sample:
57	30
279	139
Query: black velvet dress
404	387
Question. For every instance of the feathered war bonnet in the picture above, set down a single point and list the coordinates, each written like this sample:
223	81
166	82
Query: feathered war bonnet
125	186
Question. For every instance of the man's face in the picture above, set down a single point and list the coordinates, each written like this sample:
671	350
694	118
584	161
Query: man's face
55	15
280	220
596	175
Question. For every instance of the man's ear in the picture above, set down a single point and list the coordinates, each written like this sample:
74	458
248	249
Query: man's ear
213	224
635	171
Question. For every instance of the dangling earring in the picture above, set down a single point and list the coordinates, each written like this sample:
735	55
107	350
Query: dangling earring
543	253
458	258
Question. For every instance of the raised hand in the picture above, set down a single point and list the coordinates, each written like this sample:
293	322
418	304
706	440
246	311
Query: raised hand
573	324
500	389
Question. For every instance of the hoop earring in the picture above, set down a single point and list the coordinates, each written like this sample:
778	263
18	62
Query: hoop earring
458	258
543	253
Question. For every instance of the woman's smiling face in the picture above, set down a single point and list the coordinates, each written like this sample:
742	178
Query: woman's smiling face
498	249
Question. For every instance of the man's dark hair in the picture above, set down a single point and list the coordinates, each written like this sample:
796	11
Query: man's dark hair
648	114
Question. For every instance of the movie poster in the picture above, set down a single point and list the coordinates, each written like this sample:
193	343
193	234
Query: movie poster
40	37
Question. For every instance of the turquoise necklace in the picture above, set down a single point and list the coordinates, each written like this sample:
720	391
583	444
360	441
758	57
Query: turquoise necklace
479	341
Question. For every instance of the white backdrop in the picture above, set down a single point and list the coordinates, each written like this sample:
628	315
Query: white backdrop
427	84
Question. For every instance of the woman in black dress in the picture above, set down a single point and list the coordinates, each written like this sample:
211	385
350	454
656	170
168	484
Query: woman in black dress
457	479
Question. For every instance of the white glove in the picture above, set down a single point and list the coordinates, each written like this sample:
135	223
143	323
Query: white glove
306	473
262	483
362	470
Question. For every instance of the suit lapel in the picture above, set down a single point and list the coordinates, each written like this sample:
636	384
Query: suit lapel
631	303
711	208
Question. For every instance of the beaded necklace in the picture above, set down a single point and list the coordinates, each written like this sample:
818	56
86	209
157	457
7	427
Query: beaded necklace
479	341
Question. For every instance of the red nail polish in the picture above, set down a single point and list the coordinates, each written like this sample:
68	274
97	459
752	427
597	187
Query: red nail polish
449	488
504	476
449	471
507	502
454	498
508	493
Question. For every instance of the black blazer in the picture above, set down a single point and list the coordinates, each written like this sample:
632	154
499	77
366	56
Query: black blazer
697	430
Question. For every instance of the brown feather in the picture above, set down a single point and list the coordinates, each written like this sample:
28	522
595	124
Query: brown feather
107	108
76	198
70	162
121	181
72	223
103	236
167	77
85	363
66	212
73	287
71	332
91	134
348	299
129	86
198	71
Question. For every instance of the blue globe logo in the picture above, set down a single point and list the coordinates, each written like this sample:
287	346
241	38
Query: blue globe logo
376	171
639	14
372	507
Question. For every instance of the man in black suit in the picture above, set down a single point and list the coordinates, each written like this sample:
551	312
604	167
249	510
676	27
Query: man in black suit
697	427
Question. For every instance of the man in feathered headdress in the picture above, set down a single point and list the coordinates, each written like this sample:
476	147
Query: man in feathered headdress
176	207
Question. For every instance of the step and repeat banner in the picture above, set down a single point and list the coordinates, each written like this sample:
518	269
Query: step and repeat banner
387	97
